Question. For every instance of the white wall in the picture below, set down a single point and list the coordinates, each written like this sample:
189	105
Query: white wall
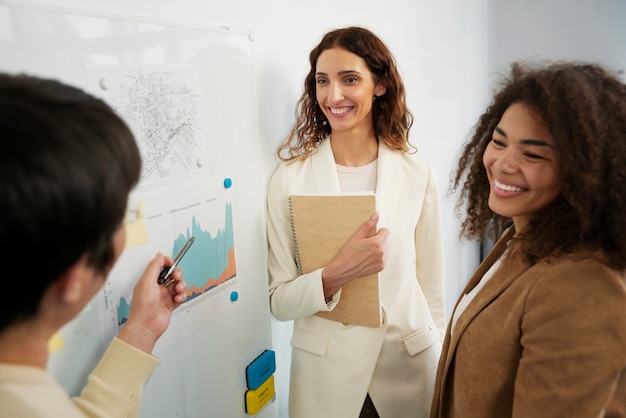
441	48
557	29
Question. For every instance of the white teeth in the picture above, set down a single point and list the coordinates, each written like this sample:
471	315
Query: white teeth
508	188
339	111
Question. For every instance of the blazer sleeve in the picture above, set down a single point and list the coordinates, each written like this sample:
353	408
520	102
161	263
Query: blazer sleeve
429	252
573	342
292	295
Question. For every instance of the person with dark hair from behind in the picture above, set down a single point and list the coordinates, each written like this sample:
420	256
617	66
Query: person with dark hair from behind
66	169
352	135
540	329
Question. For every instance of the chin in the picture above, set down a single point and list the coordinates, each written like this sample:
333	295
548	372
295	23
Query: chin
502	211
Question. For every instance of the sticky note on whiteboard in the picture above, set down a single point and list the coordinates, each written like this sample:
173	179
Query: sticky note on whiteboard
258	398
56	343
260	369
136	232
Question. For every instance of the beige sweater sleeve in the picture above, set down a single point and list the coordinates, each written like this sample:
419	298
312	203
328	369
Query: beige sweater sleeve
115	387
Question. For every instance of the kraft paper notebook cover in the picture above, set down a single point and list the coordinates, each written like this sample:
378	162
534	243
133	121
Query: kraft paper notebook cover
321	224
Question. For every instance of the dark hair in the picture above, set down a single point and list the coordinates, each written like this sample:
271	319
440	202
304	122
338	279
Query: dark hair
584	108
392	118
67	165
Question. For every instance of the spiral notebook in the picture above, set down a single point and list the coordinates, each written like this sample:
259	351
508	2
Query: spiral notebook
321	224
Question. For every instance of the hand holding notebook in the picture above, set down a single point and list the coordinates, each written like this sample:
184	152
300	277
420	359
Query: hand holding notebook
362	255
322	225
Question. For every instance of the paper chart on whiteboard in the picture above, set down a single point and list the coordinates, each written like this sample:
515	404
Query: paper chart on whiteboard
199	208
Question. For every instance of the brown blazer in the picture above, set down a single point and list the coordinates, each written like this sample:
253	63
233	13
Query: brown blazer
543	340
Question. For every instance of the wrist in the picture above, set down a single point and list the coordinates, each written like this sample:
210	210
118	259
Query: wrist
138	338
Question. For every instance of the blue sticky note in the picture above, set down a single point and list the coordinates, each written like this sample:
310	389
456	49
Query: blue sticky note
260	369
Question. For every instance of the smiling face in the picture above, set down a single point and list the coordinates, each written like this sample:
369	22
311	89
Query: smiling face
521	165
345	90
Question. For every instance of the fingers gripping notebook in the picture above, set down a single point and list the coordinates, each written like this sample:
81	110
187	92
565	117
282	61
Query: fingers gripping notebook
321	224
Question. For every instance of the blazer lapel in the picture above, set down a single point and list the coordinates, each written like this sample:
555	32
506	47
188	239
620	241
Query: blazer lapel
388	174
491	258
324	169
510	269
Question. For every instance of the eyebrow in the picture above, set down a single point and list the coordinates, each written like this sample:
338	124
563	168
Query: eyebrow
526	141
343	72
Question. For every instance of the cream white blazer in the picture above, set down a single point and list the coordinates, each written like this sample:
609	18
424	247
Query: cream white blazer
334	366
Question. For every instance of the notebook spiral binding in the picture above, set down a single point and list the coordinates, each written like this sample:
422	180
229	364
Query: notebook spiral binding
293	234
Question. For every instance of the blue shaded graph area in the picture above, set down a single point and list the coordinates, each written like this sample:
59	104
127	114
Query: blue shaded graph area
210	261
123	309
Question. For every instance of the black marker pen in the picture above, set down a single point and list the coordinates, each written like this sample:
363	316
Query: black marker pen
167	271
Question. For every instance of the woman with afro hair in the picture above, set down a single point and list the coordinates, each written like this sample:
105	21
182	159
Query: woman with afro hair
540	329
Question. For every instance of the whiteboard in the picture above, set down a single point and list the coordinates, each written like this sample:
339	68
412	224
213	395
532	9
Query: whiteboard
188	94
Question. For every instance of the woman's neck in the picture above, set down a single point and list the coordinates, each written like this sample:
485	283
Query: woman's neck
353	150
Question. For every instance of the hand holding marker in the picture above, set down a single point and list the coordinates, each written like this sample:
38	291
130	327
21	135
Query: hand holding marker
165	273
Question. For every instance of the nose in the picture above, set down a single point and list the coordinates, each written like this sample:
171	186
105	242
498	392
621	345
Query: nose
336	92
507	162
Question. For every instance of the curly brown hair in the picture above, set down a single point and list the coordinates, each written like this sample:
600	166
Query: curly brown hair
392	117
584	107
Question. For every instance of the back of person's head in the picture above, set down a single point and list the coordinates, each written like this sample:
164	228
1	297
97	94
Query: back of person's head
391	116
67	166
584	108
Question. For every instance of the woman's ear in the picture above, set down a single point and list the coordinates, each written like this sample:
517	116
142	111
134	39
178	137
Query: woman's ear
380	89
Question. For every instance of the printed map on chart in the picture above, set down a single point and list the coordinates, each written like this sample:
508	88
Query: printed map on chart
161	105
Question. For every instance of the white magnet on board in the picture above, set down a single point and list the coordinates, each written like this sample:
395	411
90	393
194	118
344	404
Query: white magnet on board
105	83
200	161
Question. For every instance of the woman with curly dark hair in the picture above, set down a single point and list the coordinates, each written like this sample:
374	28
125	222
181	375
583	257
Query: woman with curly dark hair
540	330
351	135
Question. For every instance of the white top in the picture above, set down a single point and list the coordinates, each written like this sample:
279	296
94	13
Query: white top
469	296
357	179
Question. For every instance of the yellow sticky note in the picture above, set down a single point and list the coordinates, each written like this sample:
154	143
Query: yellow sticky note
56	343
135	223
258	398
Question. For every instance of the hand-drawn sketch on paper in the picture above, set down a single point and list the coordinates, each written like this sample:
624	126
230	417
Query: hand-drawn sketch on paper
161	105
